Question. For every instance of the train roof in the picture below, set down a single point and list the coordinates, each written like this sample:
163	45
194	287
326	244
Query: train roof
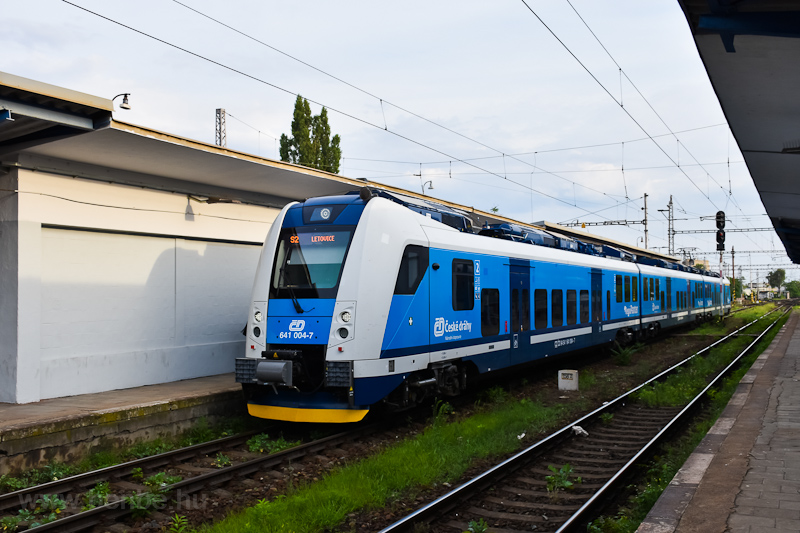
549	236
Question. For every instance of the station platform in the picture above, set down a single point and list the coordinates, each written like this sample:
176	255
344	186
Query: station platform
65	429
744	477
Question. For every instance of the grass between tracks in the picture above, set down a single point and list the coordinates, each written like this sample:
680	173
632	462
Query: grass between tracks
687	382
441	453
664	466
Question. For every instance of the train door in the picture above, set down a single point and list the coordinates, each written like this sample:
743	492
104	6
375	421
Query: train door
520	309
597	299
668	309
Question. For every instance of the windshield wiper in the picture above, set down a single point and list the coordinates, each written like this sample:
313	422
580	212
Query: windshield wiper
295	301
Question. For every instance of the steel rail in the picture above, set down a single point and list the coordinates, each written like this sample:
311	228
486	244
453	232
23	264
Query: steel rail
443	504
13	500
601	493
116	509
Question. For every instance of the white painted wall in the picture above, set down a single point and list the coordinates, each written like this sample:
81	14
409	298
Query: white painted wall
99	310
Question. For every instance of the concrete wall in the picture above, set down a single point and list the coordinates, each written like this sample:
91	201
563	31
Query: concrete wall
147	296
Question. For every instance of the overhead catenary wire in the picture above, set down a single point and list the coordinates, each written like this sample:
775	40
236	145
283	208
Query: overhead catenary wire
730	197
383	101
335	110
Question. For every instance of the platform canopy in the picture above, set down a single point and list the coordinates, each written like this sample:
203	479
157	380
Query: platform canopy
751	51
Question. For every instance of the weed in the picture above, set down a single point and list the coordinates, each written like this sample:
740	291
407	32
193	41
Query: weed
142	503
11	484
179	524
97	496
494	395
200	432
221	461
606	418
158	482
477	527
560	479
50	503
137	474
9	524
146	449
623	355
441	410
262	443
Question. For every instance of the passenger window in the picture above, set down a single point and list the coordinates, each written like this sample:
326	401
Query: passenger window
558	307
645	290
653	291
540	308
584	307
490	312
627	288
412	269
634	288
526	310
608	305
572	308
618	288
658	288
515	310
463	285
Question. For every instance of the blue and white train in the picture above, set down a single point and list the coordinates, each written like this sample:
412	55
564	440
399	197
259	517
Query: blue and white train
361	300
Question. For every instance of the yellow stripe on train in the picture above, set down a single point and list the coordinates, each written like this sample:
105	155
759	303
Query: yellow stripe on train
294	414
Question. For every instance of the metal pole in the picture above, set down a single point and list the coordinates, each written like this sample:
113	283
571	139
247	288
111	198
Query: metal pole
645	221
733	274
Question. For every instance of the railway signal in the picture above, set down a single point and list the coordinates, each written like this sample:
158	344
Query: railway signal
720	231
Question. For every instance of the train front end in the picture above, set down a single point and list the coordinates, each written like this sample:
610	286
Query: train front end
319	308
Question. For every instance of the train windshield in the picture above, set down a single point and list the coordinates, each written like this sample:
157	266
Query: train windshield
308	262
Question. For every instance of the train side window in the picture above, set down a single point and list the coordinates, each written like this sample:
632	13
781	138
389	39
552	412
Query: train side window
618	287
572	307
627	288
557	318
515	310
412	269
608	305
658	291
645	290
526	310
463	285
490	312
653	289
597	306
634	288
584	307
540	308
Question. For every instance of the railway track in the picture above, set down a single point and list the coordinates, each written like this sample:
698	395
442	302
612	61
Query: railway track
123	480
595	454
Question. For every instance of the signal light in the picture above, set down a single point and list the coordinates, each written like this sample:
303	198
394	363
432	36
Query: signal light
720	240
721	223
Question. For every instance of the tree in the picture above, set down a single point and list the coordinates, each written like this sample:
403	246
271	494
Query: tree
737	287
794	288
776	278
311	144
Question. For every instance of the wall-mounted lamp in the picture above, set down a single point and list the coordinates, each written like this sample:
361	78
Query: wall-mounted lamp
428	184
124	104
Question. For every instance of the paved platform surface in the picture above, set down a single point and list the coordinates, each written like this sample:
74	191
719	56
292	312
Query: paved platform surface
15	416
744	477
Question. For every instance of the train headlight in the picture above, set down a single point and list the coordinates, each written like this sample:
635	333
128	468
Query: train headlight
257	316
345	316
325	213
343	333
256	331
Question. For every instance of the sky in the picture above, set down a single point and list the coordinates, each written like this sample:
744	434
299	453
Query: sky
553	110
